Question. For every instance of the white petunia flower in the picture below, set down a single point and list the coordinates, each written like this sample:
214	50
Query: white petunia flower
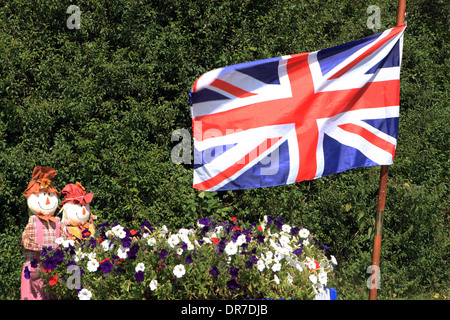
303	233
151	242
277	281
173	240
313	278
290	279
323	278
163	230
179	271
183	232
276	267
284	240
121	234
260	265
231	248
190	246
79	255
286	228
179	251
140	267
240	240
118	230
333	260
59	240
67	243
311	264
122	252
107	246
84	294
207	240
153	284
92	265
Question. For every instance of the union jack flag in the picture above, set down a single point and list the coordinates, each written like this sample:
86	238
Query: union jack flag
300	117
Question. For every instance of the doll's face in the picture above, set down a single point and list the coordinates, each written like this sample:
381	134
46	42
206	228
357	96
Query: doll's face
43	202
77	213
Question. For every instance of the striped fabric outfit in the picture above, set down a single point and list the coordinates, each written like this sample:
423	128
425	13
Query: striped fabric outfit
37	234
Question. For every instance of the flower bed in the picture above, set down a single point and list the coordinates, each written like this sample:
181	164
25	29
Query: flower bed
210	260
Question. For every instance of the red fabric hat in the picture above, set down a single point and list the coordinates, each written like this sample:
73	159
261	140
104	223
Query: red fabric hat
75	193
41	181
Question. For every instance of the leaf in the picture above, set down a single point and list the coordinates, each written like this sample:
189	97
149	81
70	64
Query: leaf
347	207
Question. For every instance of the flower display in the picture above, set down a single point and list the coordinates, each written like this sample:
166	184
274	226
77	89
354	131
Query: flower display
209	260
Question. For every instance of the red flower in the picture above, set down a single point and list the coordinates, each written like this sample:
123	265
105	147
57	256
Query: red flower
86	233
53	280
317	264
233	219
260	228
103	260
214	240
133	232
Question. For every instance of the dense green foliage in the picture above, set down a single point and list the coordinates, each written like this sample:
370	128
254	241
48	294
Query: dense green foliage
99	104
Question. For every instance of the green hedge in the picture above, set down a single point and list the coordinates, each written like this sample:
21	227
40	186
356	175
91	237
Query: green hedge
99	104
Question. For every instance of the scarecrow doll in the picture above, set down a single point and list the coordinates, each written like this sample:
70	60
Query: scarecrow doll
42	230
77	218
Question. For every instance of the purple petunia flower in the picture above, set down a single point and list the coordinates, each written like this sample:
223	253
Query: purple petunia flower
34	263
26	273
58	256
269	220
234	272
295	230
133	251
232	284
49	263
278	223
139	276
188	259
106	266
126	242
104	225
163	253
248	264
45	250
298	251
214	271
260	238
205	221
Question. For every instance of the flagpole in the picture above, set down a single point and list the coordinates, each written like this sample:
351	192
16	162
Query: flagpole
382	194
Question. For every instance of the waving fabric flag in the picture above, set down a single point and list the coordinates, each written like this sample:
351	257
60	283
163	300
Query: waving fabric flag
300	117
